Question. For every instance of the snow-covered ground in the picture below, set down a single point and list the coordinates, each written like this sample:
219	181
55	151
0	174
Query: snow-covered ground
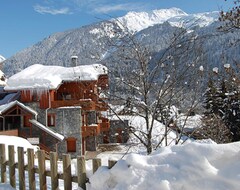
6	187
195	165
16	142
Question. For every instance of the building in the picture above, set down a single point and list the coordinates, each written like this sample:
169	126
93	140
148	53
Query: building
59	108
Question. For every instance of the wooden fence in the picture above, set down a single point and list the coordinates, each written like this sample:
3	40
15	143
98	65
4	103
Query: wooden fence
31	169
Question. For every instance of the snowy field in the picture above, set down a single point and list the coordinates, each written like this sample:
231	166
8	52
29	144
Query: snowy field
194	165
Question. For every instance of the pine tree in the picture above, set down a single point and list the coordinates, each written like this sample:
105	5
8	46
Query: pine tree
222	102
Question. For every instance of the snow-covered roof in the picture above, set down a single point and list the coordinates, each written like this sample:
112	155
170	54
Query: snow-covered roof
50	77
5	107
10	98
47	130
2	58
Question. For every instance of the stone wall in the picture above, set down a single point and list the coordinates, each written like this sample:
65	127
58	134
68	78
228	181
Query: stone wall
91	143
68	123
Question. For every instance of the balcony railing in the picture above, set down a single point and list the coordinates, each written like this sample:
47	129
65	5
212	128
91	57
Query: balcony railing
105	125
91	130
101	106
86	104
96	129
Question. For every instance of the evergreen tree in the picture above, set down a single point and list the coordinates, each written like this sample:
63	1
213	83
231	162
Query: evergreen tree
223	102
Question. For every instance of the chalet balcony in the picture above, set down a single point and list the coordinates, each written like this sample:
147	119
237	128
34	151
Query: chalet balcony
101	106
91	130
105	125
86	104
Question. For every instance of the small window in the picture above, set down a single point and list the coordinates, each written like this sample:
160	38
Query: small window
68	97
71	144
51	120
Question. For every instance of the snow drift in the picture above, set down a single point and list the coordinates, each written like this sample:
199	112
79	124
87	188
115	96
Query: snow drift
191	166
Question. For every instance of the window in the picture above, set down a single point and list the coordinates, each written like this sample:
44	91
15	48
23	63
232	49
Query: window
68	97
71	144
64	96
51	120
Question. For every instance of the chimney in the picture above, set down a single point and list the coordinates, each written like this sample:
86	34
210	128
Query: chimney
74	60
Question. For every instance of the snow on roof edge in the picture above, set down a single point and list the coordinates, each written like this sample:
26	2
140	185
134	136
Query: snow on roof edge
42	77
5	107
44	128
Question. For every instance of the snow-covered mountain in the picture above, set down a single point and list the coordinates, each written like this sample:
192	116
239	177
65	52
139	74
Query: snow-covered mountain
137	21
154	29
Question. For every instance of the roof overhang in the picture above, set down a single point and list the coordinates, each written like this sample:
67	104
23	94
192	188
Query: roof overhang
5	107
47	130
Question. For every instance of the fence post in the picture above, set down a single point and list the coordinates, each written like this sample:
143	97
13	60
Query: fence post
96	162
42	170
11	158
67	175
3	163
81	172
31	170
21	171
54	170
111	163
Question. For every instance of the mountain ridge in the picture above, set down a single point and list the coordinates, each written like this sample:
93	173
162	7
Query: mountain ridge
136	21
89	42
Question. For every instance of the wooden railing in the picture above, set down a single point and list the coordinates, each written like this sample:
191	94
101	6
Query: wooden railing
92	130
101	106
86	104
95	130
66	175
105	125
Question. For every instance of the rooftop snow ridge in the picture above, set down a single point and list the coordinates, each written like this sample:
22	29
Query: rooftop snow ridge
50	77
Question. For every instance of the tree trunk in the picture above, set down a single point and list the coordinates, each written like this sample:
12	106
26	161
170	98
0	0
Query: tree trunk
149	144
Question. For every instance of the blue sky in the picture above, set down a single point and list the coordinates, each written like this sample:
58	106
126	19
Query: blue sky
26	22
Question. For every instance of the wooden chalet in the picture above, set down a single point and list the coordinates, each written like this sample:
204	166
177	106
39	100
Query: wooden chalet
62	107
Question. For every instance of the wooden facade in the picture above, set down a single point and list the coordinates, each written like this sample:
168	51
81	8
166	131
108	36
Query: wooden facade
83	94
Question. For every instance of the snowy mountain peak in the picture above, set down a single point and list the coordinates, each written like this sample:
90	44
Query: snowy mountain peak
2	58
136	21
190	20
